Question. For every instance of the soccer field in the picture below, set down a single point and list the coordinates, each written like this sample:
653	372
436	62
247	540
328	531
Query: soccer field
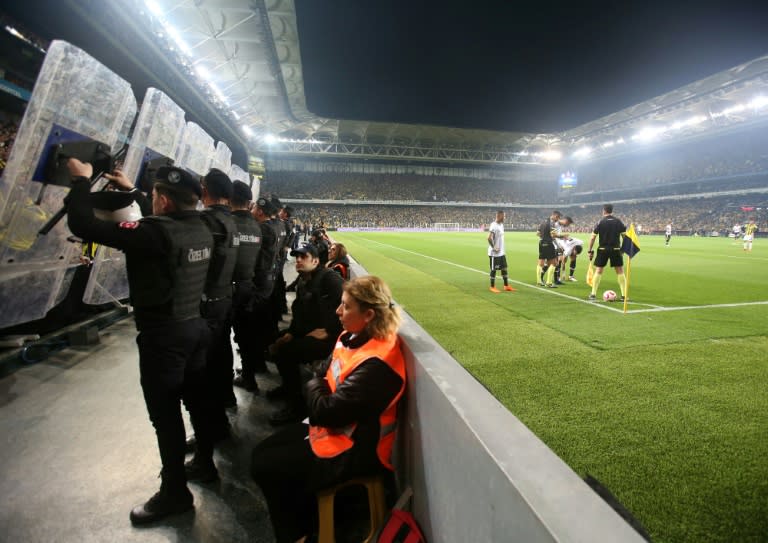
666	404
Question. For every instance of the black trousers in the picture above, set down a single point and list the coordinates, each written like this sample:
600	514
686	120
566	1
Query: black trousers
291	355
254	330
281	465
172	368
219	361
289	475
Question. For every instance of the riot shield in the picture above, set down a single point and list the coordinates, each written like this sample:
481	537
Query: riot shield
222	157
157	134
196	150
75	99
237	173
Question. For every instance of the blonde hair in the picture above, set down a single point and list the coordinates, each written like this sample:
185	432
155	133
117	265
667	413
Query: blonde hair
370	292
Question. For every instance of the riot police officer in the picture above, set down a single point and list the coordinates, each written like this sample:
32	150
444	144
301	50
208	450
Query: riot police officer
260	322
216	308
249	247
167	257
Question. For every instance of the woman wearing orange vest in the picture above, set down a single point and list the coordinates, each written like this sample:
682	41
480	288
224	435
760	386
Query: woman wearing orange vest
352	404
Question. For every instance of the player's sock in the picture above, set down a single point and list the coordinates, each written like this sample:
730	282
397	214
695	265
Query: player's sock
493	277
596	282
557	273
539	274
505	276
622	282
550	274
572	268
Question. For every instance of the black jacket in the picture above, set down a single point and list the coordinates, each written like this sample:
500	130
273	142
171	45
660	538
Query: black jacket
317	298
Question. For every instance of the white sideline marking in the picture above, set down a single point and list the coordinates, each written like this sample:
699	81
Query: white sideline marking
685	307
654	308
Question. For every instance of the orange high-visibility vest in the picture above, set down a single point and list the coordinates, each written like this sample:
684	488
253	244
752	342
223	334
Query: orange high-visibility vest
330	442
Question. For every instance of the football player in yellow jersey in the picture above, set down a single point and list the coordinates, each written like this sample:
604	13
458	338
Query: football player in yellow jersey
749	234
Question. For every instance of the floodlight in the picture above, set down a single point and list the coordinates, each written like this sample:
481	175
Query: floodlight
203	72
247	130
738	108
550	154
270	139
649	133
759	102
583	152
154	8
173	33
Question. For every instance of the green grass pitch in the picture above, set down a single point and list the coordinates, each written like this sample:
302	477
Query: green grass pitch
666	404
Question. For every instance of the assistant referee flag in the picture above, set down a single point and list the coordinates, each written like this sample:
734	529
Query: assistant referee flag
630	245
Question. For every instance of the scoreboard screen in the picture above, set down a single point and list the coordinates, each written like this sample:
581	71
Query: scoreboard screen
567	180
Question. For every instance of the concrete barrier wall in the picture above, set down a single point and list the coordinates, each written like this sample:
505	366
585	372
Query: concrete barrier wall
477	473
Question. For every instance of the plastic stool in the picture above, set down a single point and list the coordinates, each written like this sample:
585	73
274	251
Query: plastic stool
325	500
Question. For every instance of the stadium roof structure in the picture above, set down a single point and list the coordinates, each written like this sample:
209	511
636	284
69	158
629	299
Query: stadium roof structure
246	55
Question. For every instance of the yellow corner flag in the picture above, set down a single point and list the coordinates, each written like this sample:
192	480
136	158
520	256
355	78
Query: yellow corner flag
590	274
630	245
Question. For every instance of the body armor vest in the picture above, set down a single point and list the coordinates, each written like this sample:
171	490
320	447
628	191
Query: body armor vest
279	228
167	288
266	261
218	284
249	245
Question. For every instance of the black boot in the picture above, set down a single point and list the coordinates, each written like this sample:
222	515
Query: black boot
201	471
161	505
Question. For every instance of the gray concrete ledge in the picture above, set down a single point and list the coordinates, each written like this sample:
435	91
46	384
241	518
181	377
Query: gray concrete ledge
479	474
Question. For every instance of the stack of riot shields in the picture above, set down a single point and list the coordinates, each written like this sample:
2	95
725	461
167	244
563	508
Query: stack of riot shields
77	104
155	139
75	99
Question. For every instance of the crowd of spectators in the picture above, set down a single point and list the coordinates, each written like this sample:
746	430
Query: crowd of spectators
718	161
9	125
404	187
700	215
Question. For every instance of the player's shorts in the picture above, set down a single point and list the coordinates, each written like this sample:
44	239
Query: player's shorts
748	237
498	262
547	250
607	254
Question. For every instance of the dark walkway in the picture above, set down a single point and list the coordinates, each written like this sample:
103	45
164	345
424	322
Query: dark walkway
78	452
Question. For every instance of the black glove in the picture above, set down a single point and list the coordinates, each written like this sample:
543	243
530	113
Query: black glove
590	254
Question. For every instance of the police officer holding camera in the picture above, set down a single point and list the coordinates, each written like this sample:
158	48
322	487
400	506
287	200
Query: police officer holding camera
167	257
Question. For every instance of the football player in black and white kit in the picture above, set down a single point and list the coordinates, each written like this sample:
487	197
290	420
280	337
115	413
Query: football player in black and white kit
572	248
496	255
667	234
559	236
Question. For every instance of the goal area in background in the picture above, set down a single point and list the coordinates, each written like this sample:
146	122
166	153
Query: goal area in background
446	227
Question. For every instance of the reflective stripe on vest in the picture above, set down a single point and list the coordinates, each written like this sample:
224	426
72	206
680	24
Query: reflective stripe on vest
330	442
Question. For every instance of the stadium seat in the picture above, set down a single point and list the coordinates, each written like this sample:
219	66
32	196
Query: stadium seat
376	506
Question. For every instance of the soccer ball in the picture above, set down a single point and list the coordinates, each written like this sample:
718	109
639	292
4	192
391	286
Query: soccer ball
609	296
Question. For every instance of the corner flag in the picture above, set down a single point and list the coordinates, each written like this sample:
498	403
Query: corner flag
630	245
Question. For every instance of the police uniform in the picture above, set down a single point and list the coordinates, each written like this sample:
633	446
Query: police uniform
259	324
283	229
249	241
167	260
216	308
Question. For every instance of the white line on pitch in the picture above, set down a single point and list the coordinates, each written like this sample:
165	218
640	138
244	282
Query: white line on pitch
687	307
654	308
519	283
